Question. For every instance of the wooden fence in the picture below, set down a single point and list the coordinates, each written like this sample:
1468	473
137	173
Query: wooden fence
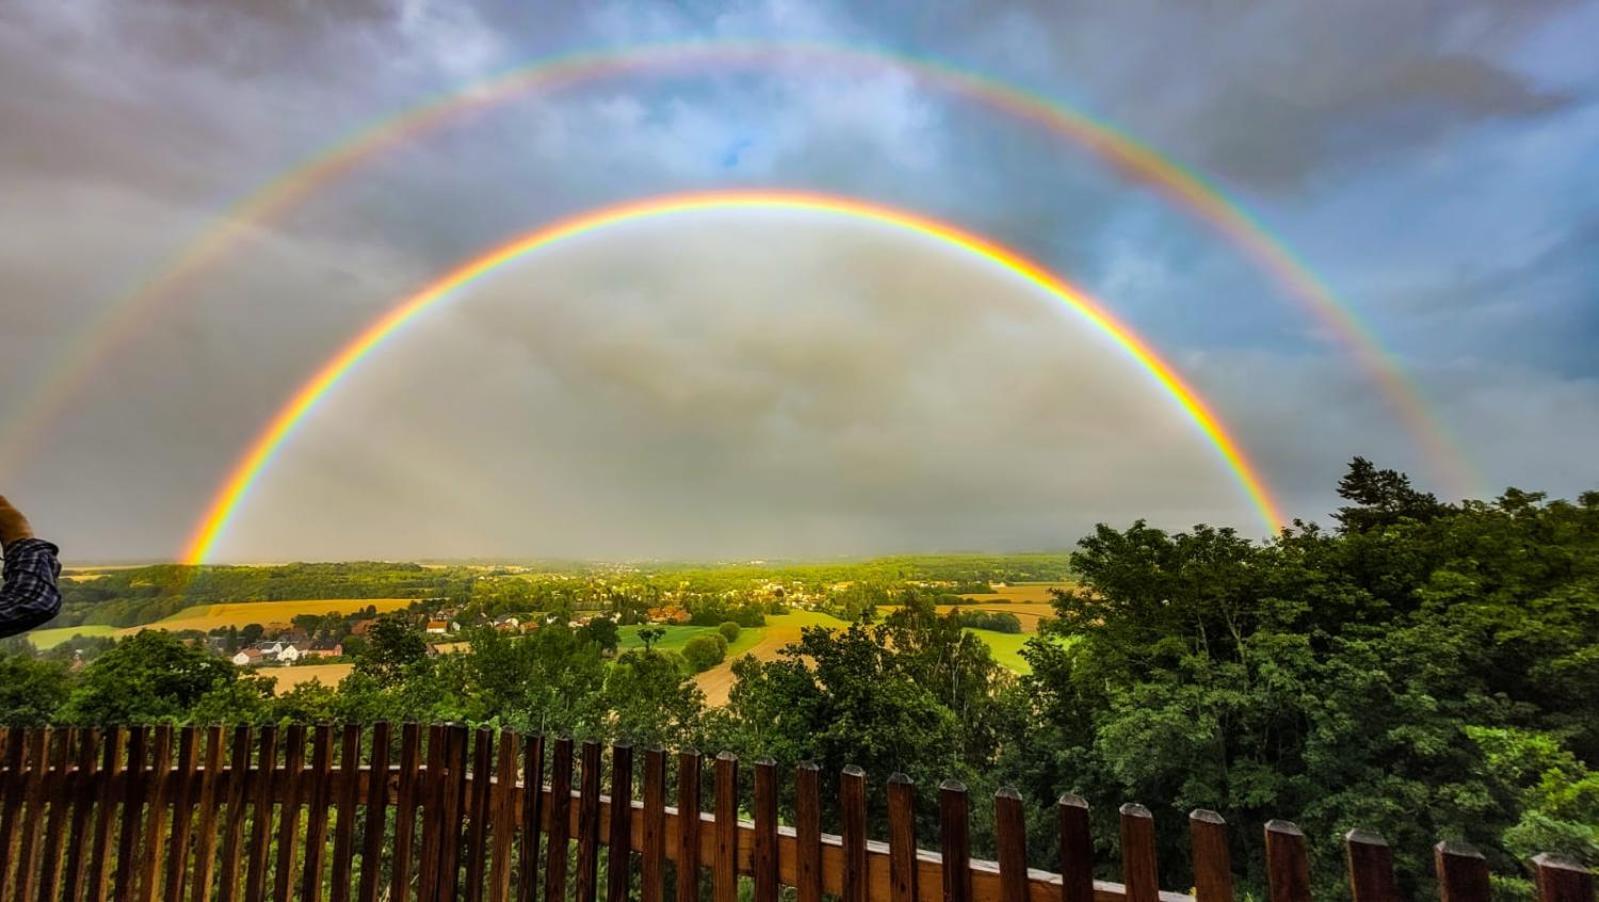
435	812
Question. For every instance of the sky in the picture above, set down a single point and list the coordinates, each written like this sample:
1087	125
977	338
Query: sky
758	385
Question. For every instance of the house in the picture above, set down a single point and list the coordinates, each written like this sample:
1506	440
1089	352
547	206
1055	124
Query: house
289	654
248	657
362	627
336	650
670	614
438	627
508	623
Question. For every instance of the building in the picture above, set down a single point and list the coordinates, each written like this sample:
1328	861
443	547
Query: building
248	657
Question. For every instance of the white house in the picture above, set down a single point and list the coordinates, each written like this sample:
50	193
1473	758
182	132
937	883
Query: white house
288	655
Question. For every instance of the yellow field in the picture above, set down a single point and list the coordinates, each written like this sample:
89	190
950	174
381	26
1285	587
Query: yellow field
207	617
1022	593
289	677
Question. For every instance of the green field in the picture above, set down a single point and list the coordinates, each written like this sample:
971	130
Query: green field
677	636
50	638
1006	647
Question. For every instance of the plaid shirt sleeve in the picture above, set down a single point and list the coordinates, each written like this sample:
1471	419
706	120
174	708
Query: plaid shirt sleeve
30	596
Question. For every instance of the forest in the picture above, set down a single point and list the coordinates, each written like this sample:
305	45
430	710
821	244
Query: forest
1426	669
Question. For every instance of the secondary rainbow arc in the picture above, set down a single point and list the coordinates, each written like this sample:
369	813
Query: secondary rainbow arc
281	427
1187	189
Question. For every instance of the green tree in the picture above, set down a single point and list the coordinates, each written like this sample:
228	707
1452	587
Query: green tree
148	678
704	652
603	632
393	646
652	703
650	635
31	691
729	631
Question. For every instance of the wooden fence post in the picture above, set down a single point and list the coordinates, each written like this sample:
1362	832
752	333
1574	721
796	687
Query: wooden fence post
349	785
377	802
1371	867
84	785
901	838
1462	872
505	799
1562	881
765	851
619	858
1287	863
954	840
207	817
808	832
1076	850
652	864
1213	862
406	797
560	820
588	824
852	813
319	797
477	814
1010	836
688	825
1139	867
238	797
532	814
724	870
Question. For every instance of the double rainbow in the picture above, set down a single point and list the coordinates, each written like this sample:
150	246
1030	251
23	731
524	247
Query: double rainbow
1186	189
282	426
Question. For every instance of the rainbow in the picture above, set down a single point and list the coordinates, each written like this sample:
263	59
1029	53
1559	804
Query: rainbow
283	424
1186	189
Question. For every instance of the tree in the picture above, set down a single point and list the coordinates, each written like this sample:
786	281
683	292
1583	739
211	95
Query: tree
1381	498
650	635
705	651
729	631
31	691
150	677
393	646
652	703
603	632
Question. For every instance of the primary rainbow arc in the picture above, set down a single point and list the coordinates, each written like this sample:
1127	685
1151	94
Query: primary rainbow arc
1187	189
283	424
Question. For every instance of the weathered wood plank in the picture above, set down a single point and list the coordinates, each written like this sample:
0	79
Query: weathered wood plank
1287	863
765	862
652	858
954	814
377	820
619	858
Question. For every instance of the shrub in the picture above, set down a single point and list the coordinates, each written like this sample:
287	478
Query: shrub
704	652
730	631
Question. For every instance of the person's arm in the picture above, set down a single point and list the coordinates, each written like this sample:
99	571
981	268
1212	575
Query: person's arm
29	595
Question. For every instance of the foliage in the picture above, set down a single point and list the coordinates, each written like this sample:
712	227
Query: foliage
704	652
730	631
30	690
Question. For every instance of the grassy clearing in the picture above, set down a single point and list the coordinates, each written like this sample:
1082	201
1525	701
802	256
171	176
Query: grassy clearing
1006	648
677	636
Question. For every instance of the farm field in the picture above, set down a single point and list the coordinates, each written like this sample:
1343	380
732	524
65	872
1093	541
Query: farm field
212	616
206	617
290	677
49	638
